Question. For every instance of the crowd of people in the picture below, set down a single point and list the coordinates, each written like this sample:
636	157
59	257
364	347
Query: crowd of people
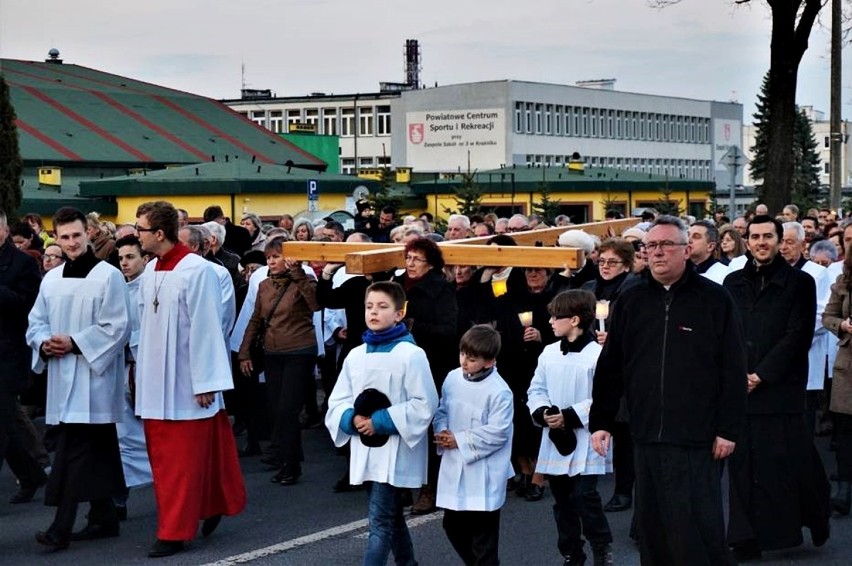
678	348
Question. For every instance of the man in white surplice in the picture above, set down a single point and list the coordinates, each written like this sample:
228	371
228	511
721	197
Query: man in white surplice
77	329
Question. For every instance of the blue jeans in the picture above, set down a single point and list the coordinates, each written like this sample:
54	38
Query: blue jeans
388	531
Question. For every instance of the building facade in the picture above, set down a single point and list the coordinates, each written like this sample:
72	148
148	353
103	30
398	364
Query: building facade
494	124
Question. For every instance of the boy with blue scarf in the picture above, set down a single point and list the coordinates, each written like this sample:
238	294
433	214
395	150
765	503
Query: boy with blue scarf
383	403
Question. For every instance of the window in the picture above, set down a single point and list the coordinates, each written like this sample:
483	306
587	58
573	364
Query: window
634	134
528	117
293	117
259	117
312	116
557	121
610	127
383	160
383	120
538	123
826	168
548	119
618	117
347	123
347	165
594	122
827	142
365	121
365	162
519	117
585	122
576	130
276	121
329	121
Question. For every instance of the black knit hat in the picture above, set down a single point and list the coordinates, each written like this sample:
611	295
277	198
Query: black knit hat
563	439
367	403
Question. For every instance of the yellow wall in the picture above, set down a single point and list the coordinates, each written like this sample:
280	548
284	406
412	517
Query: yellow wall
435	204
260	204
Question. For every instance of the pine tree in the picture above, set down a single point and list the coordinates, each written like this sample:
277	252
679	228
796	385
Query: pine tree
665	204
10	156
468	194
804	183
546	207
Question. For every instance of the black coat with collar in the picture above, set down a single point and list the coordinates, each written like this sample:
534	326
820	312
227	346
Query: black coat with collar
777	304
19	282
433	313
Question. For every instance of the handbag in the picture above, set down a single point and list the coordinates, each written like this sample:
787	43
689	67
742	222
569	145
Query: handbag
256	349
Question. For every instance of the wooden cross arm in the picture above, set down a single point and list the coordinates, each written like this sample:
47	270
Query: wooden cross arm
494	256
332	252
549	236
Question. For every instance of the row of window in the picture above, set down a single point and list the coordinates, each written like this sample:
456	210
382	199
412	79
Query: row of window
347	164
582	121
675	168
329	121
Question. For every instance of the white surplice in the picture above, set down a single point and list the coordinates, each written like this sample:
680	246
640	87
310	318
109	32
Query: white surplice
131	436
229	300
479	414
819	345
403	375
182	349
566	381
94	311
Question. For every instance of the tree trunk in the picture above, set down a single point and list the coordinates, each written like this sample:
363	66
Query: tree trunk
789	43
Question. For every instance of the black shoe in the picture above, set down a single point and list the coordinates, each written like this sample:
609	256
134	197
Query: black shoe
746	552
618	503
534	492
121	512
24	495
523	484
50	540
209	525
602	555
289	479
577	559
95	531
163	548
288	475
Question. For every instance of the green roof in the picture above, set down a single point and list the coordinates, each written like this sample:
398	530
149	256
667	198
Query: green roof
235	176
46	202
73	114
560	179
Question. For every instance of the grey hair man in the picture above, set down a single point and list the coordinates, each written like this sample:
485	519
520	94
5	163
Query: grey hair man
458	227
704	238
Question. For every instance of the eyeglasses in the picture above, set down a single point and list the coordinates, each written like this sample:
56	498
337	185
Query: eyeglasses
140	229
52	257
561	316
414	259
665	245
520	229
609	262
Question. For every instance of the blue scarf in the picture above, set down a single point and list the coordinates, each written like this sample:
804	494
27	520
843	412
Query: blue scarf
385	340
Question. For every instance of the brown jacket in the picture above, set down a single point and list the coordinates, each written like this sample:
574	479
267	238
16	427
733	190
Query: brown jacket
291	326
837	310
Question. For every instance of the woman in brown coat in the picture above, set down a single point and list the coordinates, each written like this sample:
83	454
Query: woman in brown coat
838	319
287	300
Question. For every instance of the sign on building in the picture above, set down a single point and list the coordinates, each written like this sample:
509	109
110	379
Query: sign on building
440	140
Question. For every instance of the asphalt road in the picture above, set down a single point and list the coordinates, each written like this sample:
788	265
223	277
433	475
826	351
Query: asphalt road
307	524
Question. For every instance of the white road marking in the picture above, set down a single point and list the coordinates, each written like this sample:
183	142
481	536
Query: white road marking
313	538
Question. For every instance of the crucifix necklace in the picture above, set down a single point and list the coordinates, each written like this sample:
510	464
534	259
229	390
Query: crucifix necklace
157	288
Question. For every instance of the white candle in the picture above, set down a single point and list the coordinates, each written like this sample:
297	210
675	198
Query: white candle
526	318
498	287
601	313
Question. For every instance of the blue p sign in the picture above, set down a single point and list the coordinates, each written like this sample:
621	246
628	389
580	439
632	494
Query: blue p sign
313	190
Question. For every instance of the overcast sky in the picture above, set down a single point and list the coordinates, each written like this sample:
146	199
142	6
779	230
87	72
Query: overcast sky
707	49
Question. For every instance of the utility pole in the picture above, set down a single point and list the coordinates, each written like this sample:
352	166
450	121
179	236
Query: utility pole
733	160
836	135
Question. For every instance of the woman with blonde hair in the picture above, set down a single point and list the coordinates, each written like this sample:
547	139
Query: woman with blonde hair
102	241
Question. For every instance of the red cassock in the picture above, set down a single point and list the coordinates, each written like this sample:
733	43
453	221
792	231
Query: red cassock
196	473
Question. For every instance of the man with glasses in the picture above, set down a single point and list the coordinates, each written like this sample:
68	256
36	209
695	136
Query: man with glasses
778	483
704	239
675	350
518	223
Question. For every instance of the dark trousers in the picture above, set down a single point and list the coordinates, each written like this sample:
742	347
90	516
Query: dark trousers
679	506
811	408
13	448
843	434
87	467
475	535
622	459
287	376
578	510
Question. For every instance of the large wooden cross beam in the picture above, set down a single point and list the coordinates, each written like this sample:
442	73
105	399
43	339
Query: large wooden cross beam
534	249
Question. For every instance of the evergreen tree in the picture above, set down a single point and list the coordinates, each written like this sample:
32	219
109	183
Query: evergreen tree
665	204
10	156
546	207
468	195
804	182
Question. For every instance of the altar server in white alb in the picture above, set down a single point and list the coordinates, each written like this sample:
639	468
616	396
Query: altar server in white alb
474	436
181	370
78	328
131	436
559	398
383	403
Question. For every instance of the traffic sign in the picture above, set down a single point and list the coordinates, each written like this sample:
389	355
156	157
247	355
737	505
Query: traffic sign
313	190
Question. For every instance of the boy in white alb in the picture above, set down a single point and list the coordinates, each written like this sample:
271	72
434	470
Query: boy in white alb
559	397
474	436
383	403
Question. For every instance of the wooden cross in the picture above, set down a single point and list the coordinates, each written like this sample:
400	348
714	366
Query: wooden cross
535	249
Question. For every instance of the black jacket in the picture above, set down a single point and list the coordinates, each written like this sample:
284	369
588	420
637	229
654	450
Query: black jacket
433	313
678	357
777	304
19	283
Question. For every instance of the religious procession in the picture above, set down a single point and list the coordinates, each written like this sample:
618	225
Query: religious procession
697	361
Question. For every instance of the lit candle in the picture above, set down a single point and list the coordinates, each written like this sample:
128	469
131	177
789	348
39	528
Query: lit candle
601	312
498	287
526	318
404	309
